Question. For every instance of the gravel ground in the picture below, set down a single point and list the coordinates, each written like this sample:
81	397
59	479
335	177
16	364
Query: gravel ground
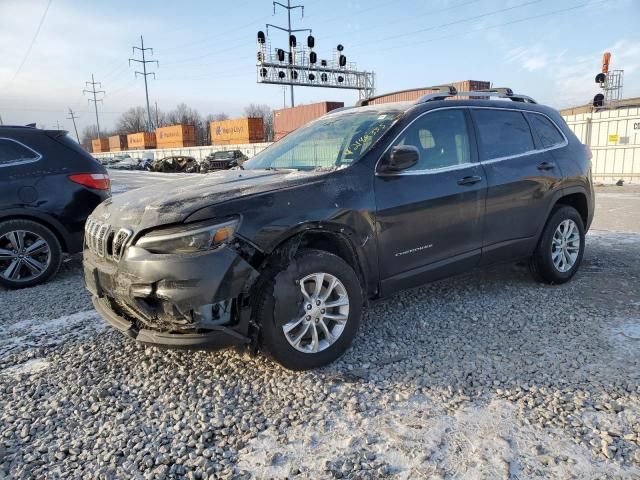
488	375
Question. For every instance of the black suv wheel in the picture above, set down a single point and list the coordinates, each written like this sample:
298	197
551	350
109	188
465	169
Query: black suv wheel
561	246
310	311
29	253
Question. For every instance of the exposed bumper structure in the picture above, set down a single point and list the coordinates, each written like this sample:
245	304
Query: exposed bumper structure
183	301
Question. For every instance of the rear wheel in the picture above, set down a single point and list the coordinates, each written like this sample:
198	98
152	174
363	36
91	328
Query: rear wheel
29	253
561	246
309	312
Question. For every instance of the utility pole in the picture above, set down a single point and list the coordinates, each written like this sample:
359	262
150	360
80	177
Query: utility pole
95	100
144	73
72	117
289	31
157	116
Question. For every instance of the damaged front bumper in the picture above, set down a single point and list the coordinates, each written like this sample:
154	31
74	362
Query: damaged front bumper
187	300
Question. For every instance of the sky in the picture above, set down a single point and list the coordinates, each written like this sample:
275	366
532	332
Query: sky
206	49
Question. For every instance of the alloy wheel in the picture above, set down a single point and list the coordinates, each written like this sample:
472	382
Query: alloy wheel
565	245
324	314
24	256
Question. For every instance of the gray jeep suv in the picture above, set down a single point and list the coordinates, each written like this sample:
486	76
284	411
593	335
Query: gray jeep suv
283	254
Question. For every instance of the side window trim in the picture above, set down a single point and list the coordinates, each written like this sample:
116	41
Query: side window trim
20	162
564	142
430	171
534	136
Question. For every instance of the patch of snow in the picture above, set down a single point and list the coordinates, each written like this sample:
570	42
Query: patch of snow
477	441
40	332
29	367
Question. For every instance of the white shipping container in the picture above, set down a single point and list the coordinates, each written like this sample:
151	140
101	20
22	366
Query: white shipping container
614	138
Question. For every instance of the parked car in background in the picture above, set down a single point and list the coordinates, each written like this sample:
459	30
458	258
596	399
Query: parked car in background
124	162
177	163
48	186
355	206
222	160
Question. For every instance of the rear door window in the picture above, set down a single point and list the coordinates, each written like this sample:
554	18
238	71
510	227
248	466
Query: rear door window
546	130
12	152
503	133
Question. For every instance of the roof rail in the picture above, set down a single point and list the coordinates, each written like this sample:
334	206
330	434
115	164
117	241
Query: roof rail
487	92
442	89
441	92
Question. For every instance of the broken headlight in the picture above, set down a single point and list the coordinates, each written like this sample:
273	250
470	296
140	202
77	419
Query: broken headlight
188	239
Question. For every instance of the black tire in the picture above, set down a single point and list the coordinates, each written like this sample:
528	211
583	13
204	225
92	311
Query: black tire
541	263
272	310
53	245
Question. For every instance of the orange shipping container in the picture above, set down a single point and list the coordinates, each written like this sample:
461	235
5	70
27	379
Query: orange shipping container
100	145
241	130
118	143
287	120
141	140
176	136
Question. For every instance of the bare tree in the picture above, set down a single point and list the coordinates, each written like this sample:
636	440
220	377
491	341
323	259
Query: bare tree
133	120
264	112
90	132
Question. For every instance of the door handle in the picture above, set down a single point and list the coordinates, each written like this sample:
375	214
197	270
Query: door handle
469	180
546	166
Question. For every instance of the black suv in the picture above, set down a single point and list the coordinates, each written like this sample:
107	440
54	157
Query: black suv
356	205
48	187
222	160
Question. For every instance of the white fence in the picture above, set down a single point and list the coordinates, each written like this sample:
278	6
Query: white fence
614	138
199	153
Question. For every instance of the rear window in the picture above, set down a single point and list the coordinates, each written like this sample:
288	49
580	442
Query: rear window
546	130
503	133
12	152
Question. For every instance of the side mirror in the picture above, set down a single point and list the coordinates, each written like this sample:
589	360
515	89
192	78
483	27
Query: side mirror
401	158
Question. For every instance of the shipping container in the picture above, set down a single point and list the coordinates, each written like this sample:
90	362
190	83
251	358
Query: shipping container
141	140
99	145
414	94
176	136
287	120
117	143
241	130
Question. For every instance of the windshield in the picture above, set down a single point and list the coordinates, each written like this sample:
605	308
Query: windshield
331	142
222	155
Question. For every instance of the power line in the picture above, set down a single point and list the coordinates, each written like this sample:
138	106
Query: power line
33	40
145	74
448	24
95	100
72	117
504	24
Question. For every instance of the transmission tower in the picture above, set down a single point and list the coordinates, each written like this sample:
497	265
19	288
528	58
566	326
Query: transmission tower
288	7
145	74
95	99
72	117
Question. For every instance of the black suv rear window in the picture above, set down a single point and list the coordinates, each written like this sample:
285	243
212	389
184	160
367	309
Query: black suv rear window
546	130
503	133
14	152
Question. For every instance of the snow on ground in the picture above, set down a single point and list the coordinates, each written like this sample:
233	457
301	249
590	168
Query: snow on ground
488	375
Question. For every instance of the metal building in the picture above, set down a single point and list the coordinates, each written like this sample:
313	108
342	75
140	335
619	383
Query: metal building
613	134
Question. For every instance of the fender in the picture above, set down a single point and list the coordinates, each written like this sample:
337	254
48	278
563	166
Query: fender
364	247
563	192
68	243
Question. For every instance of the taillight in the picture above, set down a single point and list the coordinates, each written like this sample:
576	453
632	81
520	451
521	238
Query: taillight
98	181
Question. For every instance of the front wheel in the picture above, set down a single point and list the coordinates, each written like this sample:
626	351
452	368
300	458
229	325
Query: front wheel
561	246
309	312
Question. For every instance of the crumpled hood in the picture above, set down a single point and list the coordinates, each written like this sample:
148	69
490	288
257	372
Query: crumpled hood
171	202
